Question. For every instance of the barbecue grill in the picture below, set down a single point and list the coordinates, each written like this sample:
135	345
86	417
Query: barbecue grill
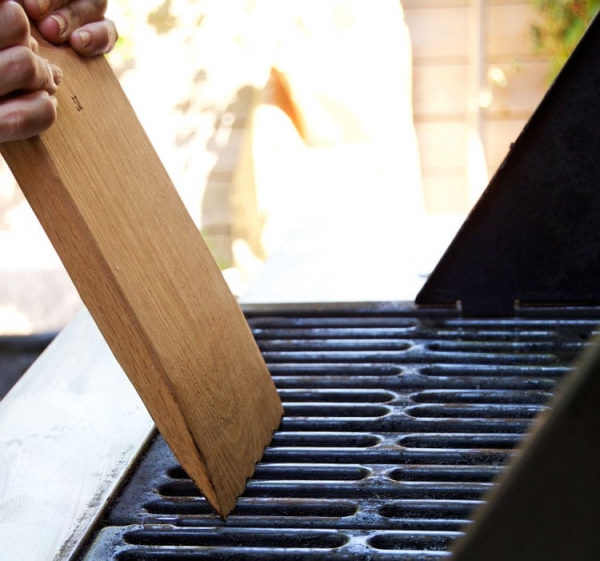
398	417
396	422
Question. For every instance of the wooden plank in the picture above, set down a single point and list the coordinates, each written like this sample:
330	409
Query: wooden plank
145	274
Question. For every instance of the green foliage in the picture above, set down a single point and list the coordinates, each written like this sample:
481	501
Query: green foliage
562	24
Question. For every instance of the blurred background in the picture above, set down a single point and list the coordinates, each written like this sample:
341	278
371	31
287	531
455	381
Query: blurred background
358	121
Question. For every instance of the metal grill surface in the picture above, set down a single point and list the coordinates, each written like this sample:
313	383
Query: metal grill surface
17	354
396	421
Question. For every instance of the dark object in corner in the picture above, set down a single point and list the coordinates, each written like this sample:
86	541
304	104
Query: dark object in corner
547	503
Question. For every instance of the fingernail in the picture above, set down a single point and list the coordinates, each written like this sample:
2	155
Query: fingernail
85	37
61	22
54	101
43	6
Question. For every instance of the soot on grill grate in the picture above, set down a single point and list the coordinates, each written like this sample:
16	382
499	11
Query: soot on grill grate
396	422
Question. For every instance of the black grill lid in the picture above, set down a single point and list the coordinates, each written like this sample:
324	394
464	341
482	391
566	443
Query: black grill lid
534	235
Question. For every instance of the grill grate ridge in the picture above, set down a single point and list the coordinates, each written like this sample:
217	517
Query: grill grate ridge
396	422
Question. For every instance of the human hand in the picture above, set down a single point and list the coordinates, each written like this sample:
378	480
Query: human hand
27	81
80	23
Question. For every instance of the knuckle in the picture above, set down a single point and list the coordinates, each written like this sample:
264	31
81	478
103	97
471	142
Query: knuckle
30	72
20	29
23	66
15	23
70	15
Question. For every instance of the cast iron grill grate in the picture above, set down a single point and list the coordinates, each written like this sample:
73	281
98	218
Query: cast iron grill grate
396	422
17	354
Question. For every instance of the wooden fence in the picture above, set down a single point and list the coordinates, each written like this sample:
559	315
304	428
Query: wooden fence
443	59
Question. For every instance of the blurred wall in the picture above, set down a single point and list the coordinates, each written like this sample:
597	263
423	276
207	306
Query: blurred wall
515	79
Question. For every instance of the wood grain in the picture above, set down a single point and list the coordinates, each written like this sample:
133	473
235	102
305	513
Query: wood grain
151	285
